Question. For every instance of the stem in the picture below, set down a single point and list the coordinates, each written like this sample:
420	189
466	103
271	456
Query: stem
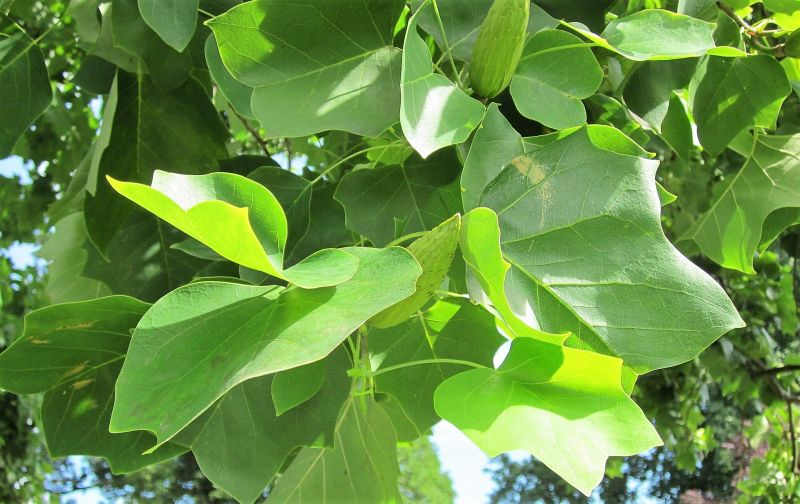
446	44
782	369
344	160
406	238
792	437
206	13
261	142
429	361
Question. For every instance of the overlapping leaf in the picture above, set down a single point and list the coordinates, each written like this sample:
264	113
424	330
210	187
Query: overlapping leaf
580	227
24	86
564	406
226	334
434	112
173	20
731	230
73	353
392	201
315	66
555	73
240	220
450	329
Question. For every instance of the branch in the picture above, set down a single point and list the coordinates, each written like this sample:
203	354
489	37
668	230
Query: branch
261	142
779	370
792	437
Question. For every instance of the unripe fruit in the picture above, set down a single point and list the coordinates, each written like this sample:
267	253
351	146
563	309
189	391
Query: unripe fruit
499	46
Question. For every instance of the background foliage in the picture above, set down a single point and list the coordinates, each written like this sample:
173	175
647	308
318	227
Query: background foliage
372	144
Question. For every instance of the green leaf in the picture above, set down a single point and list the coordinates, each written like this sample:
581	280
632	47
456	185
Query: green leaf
24	86
173	20
589	12
318	66
655	34
238	94
652	85
295	386
555	73
434	252
242	453
167	67
730	231
361	468
392	201
564	406
147	133
240	220
434	111
73	352
225	334
450	329
718	105
569	214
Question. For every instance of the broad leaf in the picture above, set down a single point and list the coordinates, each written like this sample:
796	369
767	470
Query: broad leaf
415	196
719	105
225	334
450	329
240	220
589	12
731	230
434	251
242	453
555	73
651	86
655	34
173	20
434	112
238	94
147	134
167	67
73	352
569	214
361	468
295	386
564	406
24	86
317	66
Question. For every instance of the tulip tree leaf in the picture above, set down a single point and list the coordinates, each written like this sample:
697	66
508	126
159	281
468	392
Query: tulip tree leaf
228	333
556	71
434	112
257	444
731	230
361	468
450	329
434	251
718	107
564	406
24	86
415	196
73	353
315	66
295	386
238	94
173	20
581	208
654	34
240	220
147	134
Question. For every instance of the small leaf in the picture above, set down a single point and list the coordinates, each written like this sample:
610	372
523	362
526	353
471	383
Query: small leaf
718	106
24	86
555	73
435	112
240	220
564	406
361	468
173	20
295	386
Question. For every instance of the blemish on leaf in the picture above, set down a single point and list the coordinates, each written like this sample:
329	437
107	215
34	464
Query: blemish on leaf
82	383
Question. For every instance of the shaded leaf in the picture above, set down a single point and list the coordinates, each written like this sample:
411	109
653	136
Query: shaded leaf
295	386
173	20
238	94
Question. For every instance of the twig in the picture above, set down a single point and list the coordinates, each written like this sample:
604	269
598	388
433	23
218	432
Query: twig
779	370
261	142
792	437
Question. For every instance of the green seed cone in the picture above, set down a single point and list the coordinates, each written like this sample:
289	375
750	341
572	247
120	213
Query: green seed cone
499	46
